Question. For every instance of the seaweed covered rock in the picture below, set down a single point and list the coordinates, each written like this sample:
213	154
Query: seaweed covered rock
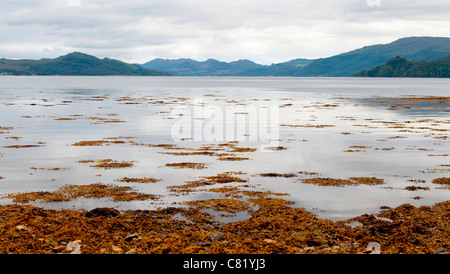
102	212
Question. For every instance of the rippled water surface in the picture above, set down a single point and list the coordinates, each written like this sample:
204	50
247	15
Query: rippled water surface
324	127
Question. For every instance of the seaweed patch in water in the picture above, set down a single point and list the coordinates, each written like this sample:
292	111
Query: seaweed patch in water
441	181
307	126
272	174
108	163
414	188
17	138
221	178
23	146
343	182
278	148
228	205
188	165
50	169
233	158
96	143
139	180
72	192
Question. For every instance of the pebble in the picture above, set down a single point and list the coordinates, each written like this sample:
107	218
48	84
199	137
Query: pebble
132	237
131	251
218	236
116	248
373	248
22	228
201	244
439	250
59	248
269	241
73	247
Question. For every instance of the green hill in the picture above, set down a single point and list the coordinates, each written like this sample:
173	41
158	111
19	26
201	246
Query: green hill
400	67
350	63
212	67
75	63
280	69
345	64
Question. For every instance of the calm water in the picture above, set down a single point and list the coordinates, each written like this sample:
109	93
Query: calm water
316	120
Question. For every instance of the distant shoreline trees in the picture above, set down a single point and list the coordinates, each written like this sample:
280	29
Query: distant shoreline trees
400	67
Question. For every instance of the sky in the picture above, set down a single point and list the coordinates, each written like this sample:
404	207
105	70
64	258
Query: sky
264	31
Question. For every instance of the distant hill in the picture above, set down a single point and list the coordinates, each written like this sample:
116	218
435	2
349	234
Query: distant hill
75	63
212	67
400	67
345	64
280	69
350	63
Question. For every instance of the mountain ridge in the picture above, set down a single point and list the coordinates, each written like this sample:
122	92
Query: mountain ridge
346	64
213	67
75	63
349	63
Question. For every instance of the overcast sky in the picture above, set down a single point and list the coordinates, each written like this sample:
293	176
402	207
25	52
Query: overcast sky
265	31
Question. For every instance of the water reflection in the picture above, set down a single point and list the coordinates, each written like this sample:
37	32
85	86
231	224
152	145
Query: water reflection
325	127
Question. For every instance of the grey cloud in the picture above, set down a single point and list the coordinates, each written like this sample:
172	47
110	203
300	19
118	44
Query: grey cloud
265	31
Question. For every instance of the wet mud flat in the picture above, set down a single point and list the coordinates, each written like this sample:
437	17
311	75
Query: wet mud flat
219	200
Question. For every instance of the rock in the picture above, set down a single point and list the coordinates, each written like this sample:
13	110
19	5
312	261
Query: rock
132	237
309	249
373	248
116	248
269	241
22	228
218	236
439	250
102	212
73	247
202	244
131	251
59	248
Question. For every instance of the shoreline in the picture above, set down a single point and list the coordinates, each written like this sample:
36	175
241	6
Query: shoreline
274	228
